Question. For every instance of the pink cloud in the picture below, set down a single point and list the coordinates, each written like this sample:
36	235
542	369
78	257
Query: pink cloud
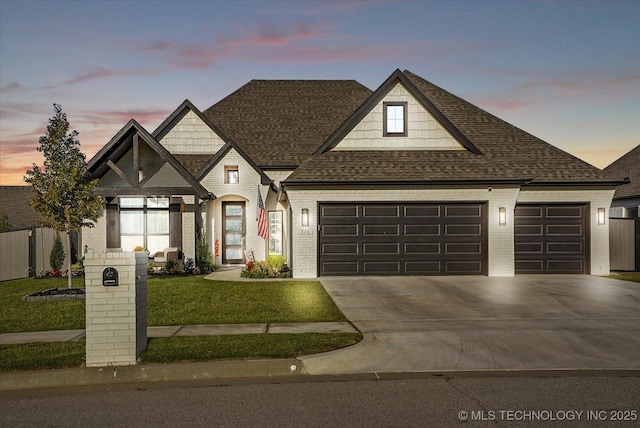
109	117
102	73
10	87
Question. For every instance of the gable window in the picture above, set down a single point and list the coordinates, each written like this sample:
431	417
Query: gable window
395	119
231	175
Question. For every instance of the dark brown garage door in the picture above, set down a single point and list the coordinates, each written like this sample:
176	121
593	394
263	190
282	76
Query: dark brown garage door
402	239
551	239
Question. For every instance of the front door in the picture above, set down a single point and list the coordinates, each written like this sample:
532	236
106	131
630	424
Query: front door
233	238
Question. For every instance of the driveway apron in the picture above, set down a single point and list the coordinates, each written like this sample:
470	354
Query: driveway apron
527	322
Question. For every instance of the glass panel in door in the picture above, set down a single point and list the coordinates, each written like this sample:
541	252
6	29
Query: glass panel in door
233	238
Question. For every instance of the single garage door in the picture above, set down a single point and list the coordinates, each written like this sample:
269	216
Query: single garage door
402	239
551	239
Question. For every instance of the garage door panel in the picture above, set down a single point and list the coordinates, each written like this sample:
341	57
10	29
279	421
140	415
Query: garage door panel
524	211
341	249
380	229
422	267
463	248
381	211
339	268
422	248
403	238
340	230
565	247
567	212
564	229
528	247
348	211
463	229
526	229
551	238
422	211
463	211
377	248
562	266
380	267
422	229
462	267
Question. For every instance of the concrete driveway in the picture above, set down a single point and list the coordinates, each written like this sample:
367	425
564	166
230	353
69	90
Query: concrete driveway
414	324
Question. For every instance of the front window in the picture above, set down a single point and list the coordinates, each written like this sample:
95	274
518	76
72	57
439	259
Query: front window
144	222
275	232
395	119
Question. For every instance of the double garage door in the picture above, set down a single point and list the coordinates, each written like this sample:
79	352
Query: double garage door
402	239
446	239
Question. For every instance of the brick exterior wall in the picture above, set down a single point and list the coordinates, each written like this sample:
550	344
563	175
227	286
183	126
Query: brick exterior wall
116	317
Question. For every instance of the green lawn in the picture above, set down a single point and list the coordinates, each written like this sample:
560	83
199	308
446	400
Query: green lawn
627	276
177	301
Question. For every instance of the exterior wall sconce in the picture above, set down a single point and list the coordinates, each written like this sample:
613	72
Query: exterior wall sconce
601	216
305	217
502	216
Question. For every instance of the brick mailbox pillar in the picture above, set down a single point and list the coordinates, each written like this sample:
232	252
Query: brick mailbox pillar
116	302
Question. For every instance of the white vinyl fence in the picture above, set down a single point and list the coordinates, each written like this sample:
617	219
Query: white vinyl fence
26	251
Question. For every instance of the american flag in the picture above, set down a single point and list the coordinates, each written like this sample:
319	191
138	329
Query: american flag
263	230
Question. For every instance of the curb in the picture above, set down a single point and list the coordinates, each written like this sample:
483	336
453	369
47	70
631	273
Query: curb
150	373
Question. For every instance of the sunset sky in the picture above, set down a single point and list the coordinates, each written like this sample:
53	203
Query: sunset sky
565	71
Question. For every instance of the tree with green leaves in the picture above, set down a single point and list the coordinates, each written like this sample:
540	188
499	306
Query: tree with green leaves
57	255
62	189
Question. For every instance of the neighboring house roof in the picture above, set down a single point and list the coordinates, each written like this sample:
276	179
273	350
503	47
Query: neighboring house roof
279	123
628	166
496	150
15	203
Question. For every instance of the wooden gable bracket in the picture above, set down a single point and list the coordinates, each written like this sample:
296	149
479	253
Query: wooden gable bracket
121	173
148	174
136	158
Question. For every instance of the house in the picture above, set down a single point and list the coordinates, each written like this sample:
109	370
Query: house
407	179
627	197
624	222
25	246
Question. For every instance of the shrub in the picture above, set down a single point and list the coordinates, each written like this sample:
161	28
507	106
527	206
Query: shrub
56	256
265	269
77	269
276	261
204	258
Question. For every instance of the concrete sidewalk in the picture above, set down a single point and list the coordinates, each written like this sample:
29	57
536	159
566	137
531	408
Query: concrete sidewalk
188	330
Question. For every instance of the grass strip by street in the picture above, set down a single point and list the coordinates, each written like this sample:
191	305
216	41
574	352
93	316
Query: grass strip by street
57	355
243	347
626	276
176	301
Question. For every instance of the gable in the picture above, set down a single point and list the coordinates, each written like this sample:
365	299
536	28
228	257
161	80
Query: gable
424	132
191	135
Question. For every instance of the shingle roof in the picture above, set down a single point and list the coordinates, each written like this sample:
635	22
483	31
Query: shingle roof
14	201
627	166
506	152
192	163
279	123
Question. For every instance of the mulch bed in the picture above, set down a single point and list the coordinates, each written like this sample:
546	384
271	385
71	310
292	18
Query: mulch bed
56	294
